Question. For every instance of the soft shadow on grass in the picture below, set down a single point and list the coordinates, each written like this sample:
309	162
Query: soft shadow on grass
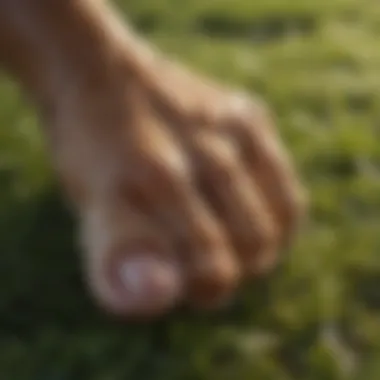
49	323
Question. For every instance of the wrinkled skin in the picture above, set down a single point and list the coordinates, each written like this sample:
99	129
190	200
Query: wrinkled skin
182	187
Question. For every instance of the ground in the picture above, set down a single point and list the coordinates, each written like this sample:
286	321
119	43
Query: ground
317	62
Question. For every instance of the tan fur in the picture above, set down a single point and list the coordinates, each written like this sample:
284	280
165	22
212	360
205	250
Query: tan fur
150	152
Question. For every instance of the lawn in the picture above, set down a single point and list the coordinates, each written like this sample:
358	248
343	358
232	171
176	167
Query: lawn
317	62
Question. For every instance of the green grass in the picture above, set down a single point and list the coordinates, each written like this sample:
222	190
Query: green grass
317	62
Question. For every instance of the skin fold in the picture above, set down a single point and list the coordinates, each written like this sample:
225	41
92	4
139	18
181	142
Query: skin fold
181	186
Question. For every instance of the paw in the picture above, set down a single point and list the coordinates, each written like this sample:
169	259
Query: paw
183	190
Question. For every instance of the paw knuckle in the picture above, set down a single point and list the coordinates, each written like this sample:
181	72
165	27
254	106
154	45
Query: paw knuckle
168	165
266	234
223	167
218	158
249	110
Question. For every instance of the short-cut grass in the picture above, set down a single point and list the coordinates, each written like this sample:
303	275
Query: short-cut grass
317	63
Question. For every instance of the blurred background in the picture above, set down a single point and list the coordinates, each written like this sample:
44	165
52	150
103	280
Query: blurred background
317	62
